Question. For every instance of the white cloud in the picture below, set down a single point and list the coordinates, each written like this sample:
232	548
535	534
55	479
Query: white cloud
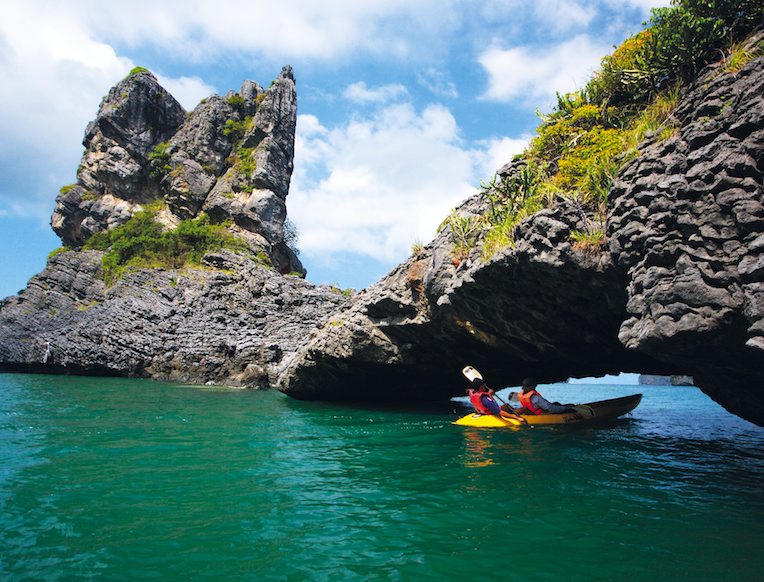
564	15
644	5
437	82
555	16
53	81
498	151
201	30
187	90
533	75
374	185
360	93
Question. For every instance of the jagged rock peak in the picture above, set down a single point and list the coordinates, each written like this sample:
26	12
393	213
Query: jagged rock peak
231	157
137	113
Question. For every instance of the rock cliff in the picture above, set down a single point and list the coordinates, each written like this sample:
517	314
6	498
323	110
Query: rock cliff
679	288
233	317
230	157
231	322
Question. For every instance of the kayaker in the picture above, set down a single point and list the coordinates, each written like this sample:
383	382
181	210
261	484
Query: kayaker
481	398
535	403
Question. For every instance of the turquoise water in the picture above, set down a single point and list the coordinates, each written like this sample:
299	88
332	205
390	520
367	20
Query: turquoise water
131	479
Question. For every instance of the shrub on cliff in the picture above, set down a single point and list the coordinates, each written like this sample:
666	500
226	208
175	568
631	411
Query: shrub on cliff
580	146
159	160
143	242
678	42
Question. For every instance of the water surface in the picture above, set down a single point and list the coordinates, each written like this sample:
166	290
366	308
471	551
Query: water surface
131	479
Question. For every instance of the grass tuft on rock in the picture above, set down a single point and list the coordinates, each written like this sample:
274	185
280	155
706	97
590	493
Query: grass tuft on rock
143	243
581	145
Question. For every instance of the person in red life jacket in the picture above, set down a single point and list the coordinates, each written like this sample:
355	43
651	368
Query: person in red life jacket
481	398
535	403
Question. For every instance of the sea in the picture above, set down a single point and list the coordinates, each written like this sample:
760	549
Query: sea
123	479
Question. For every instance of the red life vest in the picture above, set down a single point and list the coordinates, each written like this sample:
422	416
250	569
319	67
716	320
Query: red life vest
476	399
525	400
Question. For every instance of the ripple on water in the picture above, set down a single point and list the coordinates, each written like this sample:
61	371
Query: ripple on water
127	479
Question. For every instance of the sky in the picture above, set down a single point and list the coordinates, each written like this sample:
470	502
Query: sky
404	106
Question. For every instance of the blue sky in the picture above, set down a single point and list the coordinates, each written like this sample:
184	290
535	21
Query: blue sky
404	105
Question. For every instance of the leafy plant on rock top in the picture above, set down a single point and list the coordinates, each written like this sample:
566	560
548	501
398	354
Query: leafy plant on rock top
580	146
142	242
236	101
740	55
58	251
591	240
137	70
510	199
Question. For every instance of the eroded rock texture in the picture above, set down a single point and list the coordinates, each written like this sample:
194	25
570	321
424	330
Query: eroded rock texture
678	291
233	320
230	157
687	230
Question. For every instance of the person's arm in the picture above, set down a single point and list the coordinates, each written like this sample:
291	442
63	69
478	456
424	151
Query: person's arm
551	407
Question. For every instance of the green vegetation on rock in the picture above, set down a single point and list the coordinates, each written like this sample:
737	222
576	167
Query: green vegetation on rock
580	146
236	101
236	129
243	161
143	242
740	55
136	70
159	160
58	251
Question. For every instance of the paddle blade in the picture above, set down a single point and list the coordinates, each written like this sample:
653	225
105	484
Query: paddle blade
471	373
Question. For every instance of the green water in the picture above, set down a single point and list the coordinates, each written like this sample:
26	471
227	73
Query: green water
129	479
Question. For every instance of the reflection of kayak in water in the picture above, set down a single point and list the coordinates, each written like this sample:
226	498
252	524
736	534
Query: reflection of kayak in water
584	414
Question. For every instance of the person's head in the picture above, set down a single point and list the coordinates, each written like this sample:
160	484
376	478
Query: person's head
478	384
529	384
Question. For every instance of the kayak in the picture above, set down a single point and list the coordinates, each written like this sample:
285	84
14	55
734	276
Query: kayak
585	414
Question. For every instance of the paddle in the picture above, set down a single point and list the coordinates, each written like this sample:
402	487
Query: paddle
471	374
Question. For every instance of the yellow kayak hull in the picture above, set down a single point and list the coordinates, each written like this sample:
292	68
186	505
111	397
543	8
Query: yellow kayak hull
586	413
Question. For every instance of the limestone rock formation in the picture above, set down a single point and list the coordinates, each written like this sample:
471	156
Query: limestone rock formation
687	230
234	318
114	176
230	157
232	323
680	290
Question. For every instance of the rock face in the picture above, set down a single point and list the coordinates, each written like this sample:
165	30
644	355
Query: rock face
233	322
687	230
233	319
679	289
230	157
